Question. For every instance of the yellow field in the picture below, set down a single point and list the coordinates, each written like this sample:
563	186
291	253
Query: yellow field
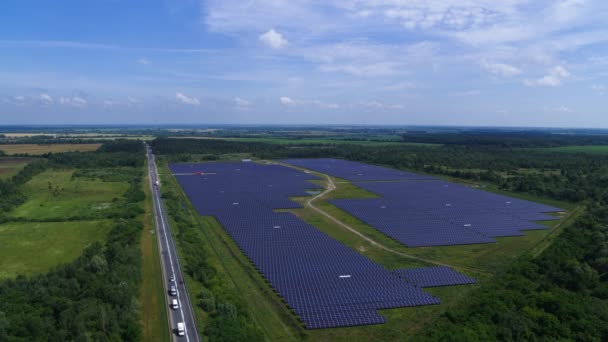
35	149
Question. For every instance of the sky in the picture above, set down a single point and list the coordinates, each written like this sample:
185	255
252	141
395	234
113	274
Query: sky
405	62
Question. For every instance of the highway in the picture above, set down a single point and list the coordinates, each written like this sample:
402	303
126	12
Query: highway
170	263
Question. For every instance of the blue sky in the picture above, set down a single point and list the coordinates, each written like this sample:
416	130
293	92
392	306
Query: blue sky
452	62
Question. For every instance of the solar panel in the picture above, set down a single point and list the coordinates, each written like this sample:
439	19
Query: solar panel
433	276
325	282
353	171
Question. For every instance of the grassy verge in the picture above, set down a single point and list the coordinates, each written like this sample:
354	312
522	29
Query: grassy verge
152	294
32	247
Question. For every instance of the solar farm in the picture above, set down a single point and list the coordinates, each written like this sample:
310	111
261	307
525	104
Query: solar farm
419	211
326	283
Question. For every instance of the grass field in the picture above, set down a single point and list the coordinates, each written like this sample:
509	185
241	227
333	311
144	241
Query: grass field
152	293
11	166
31	247
54	195
34	149
591	149
312	141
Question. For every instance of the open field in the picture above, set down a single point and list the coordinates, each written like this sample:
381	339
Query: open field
32	247
11	166
55	195
312	141
591	149
152	293
35	149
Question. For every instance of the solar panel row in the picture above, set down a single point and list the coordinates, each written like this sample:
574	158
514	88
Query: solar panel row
354	171
326	283
433	276
438	213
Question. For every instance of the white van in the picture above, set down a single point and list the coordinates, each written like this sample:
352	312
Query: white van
174	304
181	329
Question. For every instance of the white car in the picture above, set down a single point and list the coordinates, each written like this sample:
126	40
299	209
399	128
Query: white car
174	304
181	329
172	278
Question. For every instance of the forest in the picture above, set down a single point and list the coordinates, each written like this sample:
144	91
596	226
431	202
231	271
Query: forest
93	298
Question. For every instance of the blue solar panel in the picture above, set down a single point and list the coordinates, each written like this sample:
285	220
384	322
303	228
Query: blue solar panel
433	276
326	283
418	210
353	171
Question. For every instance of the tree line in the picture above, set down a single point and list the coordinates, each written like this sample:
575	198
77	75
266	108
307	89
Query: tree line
561	176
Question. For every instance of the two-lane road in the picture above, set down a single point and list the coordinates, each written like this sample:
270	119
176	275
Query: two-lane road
170	264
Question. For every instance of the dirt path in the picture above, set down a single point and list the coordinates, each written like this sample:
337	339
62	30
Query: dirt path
331	187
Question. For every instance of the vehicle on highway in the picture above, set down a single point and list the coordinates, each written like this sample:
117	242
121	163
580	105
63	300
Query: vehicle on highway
174	304
172	278
173	290
181	329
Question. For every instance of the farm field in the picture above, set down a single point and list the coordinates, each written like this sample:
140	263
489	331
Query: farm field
35	149
35	247
11	166
55	194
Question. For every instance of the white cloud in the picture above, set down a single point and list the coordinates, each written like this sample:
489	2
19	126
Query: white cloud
74	101
380	105
501	69
553	79
46	99
240	103
599	88
564	109
287	101
193	101
325	105
143	61
111	103
273	39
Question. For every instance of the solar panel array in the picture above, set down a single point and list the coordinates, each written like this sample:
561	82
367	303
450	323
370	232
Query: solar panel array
326	283
353	171
429	212
433	276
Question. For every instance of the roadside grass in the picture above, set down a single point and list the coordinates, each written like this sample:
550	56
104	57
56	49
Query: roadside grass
155	326
35	149
54	195
32	247
237	274
11	166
